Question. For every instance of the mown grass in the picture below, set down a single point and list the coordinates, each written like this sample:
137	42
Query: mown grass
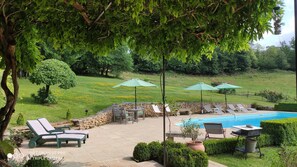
94	93
271	158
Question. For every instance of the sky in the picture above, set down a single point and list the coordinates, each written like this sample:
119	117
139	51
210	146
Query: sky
288	29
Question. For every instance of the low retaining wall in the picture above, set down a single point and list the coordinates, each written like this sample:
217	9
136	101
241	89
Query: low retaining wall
105	116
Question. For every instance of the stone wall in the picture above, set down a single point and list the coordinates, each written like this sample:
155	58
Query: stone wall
102	117
105	116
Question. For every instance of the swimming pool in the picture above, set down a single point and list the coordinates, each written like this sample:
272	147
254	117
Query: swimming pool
251	119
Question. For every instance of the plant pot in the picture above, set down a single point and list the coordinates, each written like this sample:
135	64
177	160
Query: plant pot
196	145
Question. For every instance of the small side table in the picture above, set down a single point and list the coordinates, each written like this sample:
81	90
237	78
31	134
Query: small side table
135	111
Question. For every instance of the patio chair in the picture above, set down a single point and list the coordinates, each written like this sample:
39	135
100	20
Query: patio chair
42	136
242	108
156	110
117	113
48	127
214	128
167	108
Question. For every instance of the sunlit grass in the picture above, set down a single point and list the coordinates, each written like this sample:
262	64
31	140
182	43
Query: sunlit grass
271	158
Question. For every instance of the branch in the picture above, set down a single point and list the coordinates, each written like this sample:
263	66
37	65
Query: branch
103	12
12	14
82	11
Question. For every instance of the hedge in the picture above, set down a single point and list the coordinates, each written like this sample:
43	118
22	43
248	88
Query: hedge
178	154
286	107
227	145
283	132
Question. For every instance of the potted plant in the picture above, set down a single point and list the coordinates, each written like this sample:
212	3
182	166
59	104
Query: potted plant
16	137
190	129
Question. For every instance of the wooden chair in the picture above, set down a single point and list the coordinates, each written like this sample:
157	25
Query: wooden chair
214	128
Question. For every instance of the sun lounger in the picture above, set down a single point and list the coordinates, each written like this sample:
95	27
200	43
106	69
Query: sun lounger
219	108
48	127
242	108
42	136
208	109
232	107
214	128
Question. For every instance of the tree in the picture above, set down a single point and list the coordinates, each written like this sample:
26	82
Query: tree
52	72
116	62
182	29
289	51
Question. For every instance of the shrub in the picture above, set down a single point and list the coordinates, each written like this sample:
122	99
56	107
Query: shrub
20	120
39	161
179	155
288	156
282	131
286	107
42	97
271	96
35	161
200	158
141	152
68	115
260	107
227	145
154	148
16	137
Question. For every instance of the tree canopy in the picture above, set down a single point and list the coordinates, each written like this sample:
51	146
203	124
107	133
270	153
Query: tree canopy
180	29
52	72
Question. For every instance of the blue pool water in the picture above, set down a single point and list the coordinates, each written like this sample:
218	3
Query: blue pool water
251	119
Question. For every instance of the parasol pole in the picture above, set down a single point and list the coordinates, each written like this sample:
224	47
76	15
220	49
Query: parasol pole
135	99
226	99
201	107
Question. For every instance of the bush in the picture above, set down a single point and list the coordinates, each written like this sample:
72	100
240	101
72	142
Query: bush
286	107
227	145
141	152
260	107
271	96
220	146
179	155
154	148
177	159
38	161
42	97
288	156
20	120
282	131
68	115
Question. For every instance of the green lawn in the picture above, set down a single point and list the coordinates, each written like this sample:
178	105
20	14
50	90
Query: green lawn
271	158
94	93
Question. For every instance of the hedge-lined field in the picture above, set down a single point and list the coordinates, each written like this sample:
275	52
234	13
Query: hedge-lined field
94	93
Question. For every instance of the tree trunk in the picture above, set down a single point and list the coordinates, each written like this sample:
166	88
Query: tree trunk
47	87
8	44
106	71
102	71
